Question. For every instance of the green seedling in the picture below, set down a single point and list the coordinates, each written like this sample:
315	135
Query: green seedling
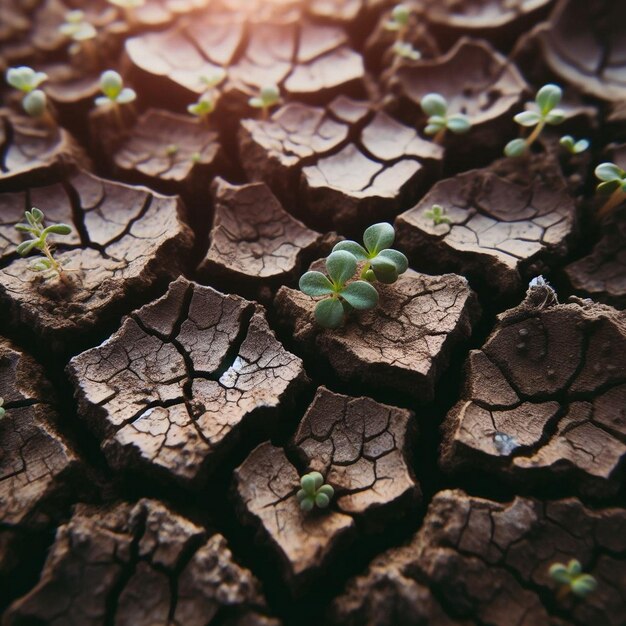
340	296
399	24
27	80
202	108
405	50
196	157
314	492
381	262
268	97
171	151
539	113
34	226
112	86
572	579
437	214
2	410
573	146
76	27
439	121
614	182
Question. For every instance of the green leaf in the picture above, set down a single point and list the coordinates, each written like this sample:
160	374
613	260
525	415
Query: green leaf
34	103
2	412
574	567
315	284
401	14
559	573
340	266
608	187
555	117
397	258
301	495
24	228
458	123
567	141
378	237
25	78
329	313
515	148
26	246
609	172
548	97
58	229
327	489
360	295
370	276
583	585
322	500
42	265
308	484
37	214
307	504
527	118
355	249
111	84
126	95
255	102
433	129
434	104
581	145
385	270
270	95
318	479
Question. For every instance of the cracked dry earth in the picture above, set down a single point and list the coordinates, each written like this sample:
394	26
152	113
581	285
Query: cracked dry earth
163	403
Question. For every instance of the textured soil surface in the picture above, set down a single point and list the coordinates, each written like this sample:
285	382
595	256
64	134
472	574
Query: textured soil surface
161	402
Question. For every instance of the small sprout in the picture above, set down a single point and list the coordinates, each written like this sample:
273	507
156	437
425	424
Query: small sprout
314	492
399	18
35	103
381	262
202	108
268	97
76	27
614	182
539	113
573	146
24	78
572	579
2	410
341	296
196	157
436	107
112	86
171	150
210	81
39	240
437	214
405	50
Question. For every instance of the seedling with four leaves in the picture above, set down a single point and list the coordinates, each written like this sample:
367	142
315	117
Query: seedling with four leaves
39	234
344	290
437	214
399	23
543	111
268	97
613	181
313	492
27	80
439	121
572	579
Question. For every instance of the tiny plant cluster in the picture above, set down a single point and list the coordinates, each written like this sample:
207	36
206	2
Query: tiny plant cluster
269	96
612	181
572	579
399	24
77	28
26	80
313	492
205	105
439	121
39	234
351	269
437	214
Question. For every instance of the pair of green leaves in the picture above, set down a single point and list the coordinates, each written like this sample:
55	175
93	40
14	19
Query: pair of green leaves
112	86
539	113
380	263
612	177
76	27
573	146
268	97
27	80
572	575
400	16
39	235
436	107
314	492
437	214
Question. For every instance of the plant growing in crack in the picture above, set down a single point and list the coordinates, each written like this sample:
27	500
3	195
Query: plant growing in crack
201	109
351	269
543	111
269	96
437	214
572	579
26	80
81	32
612	181
399	24
573	146
39	235
115	94
2	409
439	120
313	492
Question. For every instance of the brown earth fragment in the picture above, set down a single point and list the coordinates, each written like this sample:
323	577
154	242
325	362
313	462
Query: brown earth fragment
136	566
479	561
544	399
255	243
403	345
131	239
178	385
